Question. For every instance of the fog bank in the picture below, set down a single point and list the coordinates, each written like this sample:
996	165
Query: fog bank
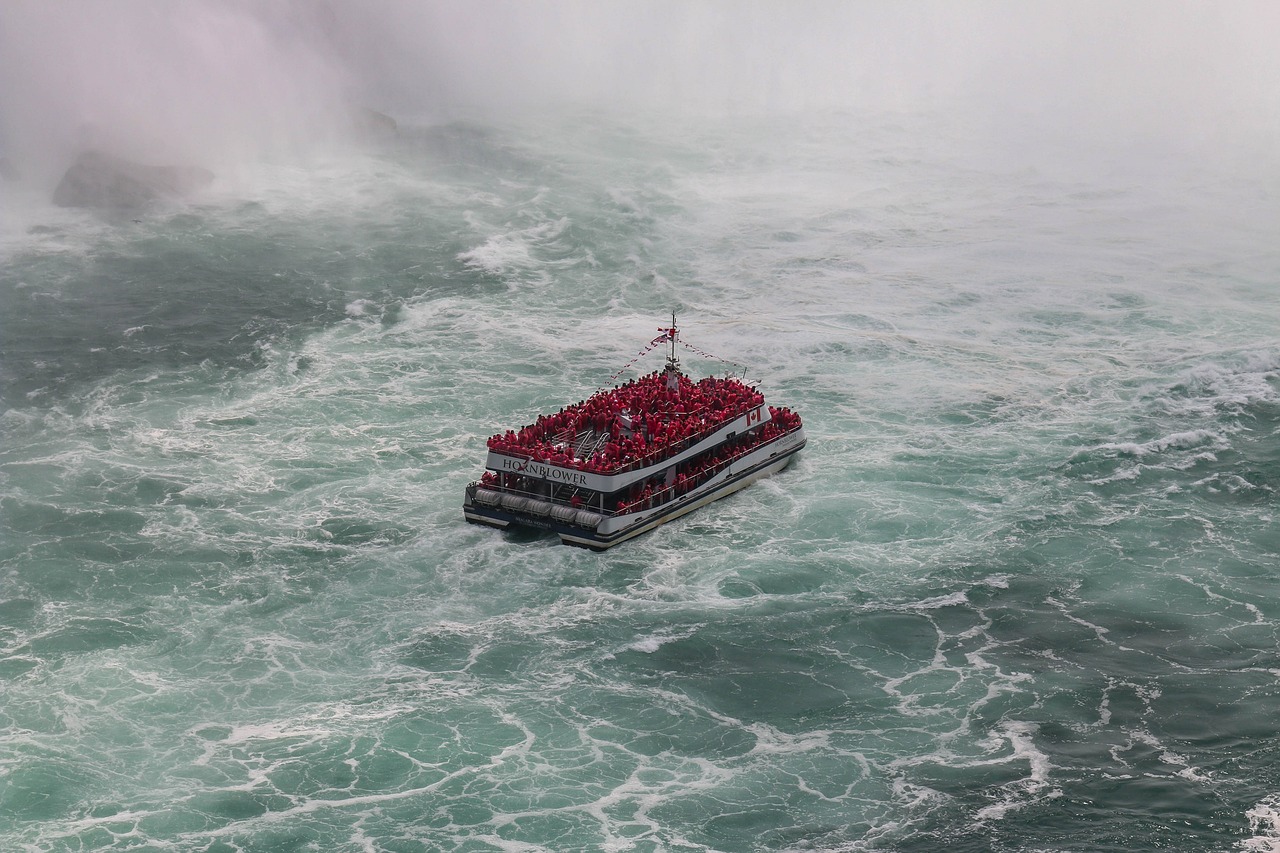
211	80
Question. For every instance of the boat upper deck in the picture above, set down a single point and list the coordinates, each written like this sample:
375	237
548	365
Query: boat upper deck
636	423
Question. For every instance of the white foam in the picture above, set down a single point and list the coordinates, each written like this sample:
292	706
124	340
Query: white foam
954	599
512	252
1174	441
248	732
1035	787
1264	823
649	645
499	254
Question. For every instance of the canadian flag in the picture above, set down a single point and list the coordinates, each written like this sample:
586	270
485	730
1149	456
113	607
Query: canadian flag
754	416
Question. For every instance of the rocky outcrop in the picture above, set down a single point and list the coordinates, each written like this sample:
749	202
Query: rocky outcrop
374	124
101	181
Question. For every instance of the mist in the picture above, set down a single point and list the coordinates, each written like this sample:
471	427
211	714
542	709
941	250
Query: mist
202	82
1127	78
217	81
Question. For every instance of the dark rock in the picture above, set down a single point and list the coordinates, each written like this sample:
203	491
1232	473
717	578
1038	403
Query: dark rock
99	180
373	123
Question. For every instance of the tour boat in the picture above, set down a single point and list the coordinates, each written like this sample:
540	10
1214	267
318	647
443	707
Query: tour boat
628	459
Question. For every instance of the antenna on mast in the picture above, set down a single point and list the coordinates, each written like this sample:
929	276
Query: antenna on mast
673	363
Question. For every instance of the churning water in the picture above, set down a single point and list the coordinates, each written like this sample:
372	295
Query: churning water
1020	592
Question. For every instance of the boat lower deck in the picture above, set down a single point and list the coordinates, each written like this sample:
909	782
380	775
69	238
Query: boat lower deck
612	530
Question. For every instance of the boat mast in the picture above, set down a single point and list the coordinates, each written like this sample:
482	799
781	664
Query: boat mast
673	363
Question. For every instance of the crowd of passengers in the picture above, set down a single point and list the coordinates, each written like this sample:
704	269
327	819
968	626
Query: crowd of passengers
695	472
647	494
641	418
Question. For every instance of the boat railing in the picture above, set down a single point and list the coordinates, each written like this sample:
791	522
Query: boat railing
675	448
589	443
669	493
566	437
656	499
635	463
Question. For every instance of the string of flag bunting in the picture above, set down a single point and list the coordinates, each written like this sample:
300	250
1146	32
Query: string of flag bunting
706	354
653	344
665	337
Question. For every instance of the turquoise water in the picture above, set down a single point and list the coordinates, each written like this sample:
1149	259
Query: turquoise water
1020	592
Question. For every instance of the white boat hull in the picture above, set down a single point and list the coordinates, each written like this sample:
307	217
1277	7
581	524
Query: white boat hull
612	530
